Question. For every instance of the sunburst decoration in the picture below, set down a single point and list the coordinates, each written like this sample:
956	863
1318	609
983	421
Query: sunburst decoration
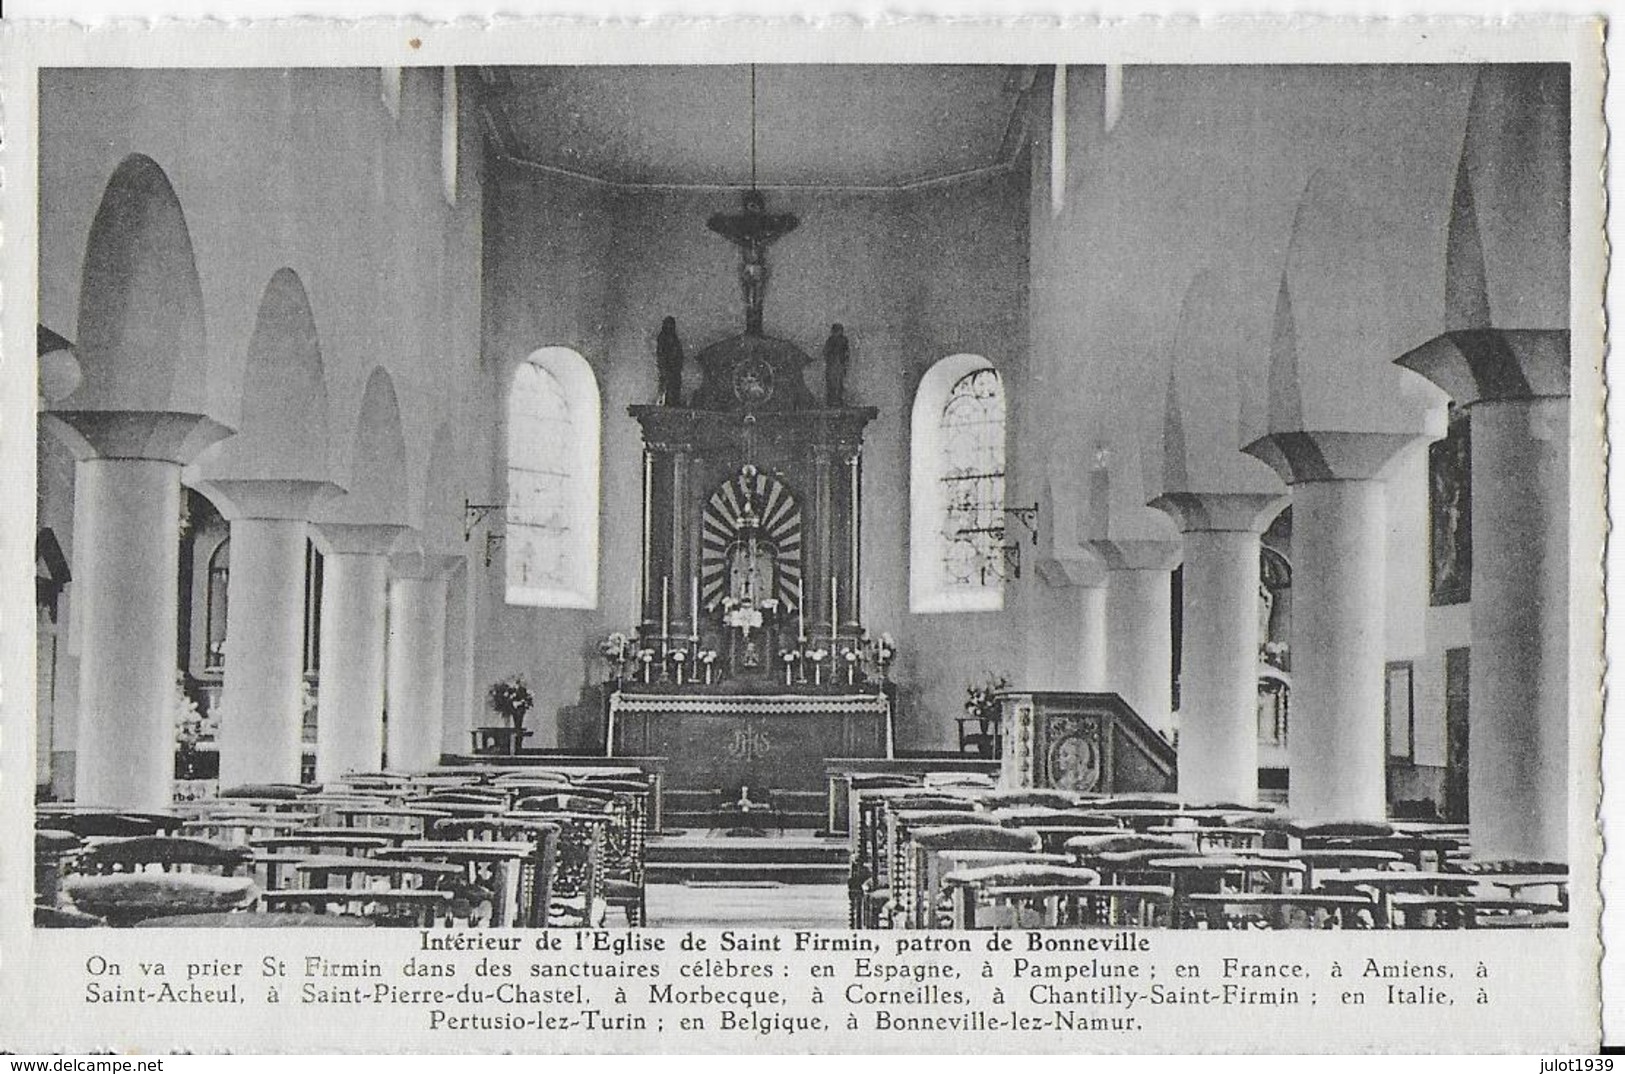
778	528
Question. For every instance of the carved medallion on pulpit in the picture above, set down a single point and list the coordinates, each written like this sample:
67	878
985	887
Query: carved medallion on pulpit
1072	761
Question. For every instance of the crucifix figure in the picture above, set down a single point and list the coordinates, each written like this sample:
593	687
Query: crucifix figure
753	230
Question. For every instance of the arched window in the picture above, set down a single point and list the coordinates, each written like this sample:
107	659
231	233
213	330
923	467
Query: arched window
214	654
552	517
956	540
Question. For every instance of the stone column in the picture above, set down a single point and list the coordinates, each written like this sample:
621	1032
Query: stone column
416	660
1515	385
261	700
1218	714
128	485
1076	652
456	717
1139	635
350	706
1336	744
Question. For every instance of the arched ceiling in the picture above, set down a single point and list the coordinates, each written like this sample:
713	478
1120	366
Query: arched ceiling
817	125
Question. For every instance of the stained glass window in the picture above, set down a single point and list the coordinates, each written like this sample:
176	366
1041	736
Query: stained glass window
972	443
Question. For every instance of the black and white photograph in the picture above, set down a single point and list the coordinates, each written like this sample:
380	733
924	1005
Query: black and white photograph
902	503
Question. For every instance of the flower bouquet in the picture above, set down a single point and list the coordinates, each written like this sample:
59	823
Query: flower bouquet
617	649
512	699
982	700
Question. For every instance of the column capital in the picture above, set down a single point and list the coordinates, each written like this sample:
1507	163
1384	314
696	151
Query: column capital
421	564
282	499
1080	571
1308	455
1485	365
1243	512
158	435
1143	554
356	538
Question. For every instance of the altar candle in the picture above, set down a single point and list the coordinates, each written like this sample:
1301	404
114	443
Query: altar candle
834	606
694	607
665	606
801	619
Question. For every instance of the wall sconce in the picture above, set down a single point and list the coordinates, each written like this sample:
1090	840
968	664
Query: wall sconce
473	515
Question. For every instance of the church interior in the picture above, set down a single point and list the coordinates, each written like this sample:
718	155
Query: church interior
849	496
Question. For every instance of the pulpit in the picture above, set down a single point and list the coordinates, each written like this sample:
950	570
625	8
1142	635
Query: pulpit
1089	743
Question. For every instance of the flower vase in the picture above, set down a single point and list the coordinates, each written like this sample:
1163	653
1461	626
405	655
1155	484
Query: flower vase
818	674
708	674
647	668
679	673
849	673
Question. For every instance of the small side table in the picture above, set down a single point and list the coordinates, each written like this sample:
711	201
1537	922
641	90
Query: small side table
499	740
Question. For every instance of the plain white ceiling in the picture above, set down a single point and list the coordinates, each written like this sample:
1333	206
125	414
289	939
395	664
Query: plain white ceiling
838	126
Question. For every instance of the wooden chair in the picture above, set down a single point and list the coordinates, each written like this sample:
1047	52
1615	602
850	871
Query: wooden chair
274	792
1224	874
1415	911
100	824
313	841
1030	799
868	866
625	844
921	900
1056	836
61	917
399	907
158	853
239	830
1297	910
125	898
889	902
1516	877
1214	837
978	780
535	889
1121	858
578	896
414	820
1023	816
1014	896
53	849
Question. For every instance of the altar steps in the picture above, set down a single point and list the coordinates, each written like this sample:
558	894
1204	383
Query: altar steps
708	856
698	810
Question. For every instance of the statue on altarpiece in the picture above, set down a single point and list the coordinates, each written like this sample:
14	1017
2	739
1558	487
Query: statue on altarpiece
669	360
837	356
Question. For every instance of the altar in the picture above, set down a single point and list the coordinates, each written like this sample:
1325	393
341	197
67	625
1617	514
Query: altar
765	742
750	665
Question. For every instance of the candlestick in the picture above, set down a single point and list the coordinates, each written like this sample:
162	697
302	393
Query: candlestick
801	619
694	606
834	605
665	607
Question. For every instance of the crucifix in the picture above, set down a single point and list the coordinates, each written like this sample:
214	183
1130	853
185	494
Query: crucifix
753	230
